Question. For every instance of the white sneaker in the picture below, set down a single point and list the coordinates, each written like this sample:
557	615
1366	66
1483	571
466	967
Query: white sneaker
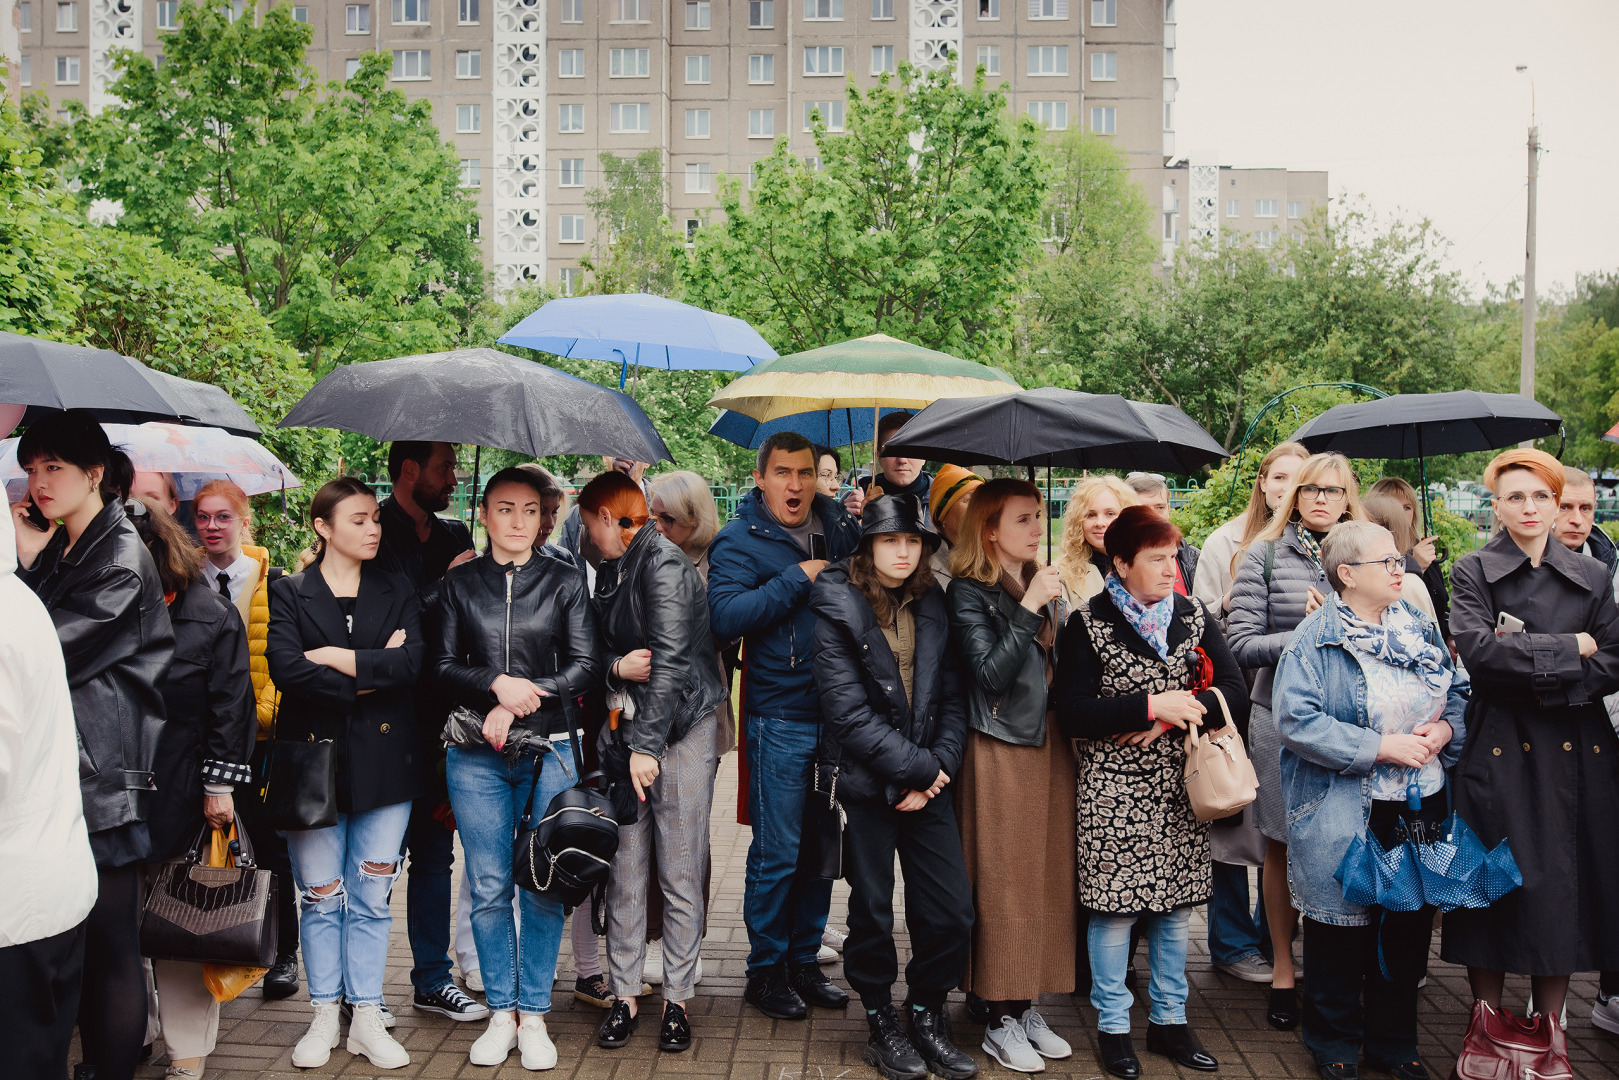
1009	1045
1252	968
315	1048
474	980
652	970
827	955
497	1040
1046	1043
539	1052
697	978
833	939
369	1038
1605	1013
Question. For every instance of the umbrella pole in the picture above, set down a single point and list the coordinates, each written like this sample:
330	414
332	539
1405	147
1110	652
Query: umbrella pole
472	501
875	411
1422	471
1048	511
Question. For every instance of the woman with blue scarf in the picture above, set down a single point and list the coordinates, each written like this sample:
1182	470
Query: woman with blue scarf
1369	707
1137	665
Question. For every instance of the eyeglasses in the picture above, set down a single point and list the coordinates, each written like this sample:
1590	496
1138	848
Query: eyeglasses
668	520
1394	564
829	475
1542	499
1311	492
224	521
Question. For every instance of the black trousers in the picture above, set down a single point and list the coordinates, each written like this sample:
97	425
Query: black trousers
39	997
112	1006
270	852
938	901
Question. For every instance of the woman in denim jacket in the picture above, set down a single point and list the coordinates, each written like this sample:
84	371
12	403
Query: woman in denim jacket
1369	705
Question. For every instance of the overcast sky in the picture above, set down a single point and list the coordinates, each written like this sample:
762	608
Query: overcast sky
1415	104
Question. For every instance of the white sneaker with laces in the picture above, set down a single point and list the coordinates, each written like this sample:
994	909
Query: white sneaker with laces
1046	1043
497	1040
1008	1043
652	970
833	939
539	1052
827	955
1605	1013
369	1038
474	980
315	1048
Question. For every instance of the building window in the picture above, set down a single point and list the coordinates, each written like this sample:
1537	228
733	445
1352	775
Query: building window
1169	116
25	70
357	19
697	177
989	9
1104	12
1169	11
1051	115
697	14
1295	210
698	69
300	14
632	116
692	225
570	280
470	168
410	12
25	12
571	64
631	11
475	229
1103	121
1264	208
1049	60
570	118
882	9
1104	66
815	10
1266	238
830	111
1169	226
168	14
1048	9
761	123
412	64
233	9
468	63
468	119
1233	208
629	63
823	60
572	228
762	68
697	123
67	71
989	58
882	59
573	11
466	12
572	172
67	18
761	14
1169	63
351	67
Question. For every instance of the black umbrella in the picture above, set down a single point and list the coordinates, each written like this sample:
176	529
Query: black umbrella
197	403
51	375
1416	425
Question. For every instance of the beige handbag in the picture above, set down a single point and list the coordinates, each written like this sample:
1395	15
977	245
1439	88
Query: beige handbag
1220	780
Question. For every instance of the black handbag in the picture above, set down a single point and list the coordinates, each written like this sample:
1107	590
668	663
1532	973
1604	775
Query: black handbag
300	781
567	854
212	914
821	842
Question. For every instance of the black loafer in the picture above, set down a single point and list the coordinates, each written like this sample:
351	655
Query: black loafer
1118	1055
674	1035
816	989
281	981
1177	1042
618	1027
1284	1009
1338	1070
1400	1070
769	993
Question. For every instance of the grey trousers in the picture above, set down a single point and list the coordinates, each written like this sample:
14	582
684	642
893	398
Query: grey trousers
674	821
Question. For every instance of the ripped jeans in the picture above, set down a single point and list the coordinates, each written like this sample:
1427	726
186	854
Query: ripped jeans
345	929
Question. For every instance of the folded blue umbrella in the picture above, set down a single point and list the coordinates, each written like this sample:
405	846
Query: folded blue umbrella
1451	870
829	427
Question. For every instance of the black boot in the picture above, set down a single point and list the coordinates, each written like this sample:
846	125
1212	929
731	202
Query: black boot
929	1030
889	1051
84	1072
1118	1055
770	993
281	981
1177	1041
815	988
977	1009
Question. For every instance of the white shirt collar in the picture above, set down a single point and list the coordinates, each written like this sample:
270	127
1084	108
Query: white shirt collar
243	574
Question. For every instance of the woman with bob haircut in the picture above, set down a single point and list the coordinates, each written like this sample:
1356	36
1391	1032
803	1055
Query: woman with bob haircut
1093	505
1386	512
1128	685
1538	769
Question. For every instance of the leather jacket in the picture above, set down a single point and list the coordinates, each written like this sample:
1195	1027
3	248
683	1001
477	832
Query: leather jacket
1004	667
107	603
531	621
653	597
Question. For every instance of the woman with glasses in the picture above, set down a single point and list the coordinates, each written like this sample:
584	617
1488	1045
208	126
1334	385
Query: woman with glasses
1279	581
1536	627
828	471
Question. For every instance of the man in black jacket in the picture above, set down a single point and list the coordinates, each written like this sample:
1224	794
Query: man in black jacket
896	476
419	544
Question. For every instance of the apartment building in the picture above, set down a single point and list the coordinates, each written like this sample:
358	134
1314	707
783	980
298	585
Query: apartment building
1203	200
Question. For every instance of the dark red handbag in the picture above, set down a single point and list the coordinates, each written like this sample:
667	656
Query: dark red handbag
1501	1046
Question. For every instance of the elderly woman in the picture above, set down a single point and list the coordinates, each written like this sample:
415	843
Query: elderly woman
1093	505
1369	706
1539	765
1129	674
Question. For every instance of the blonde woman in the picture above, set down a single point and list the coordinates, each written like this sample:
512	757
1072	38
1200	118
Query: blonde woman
683	510
1279	581
1093	505
1218	565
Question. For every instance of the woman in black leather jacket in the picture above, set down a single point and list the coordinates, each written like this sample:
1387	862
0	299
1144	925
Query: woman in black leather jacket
517	646
94	576
895	725
662	674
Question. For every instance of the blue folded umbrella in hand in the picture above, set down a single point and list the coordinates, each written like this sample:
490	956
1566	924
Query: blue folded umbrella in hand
1452	870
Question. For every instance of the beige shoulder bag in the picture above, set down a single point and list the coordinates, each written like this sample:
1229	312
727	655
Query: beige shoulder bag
1220	780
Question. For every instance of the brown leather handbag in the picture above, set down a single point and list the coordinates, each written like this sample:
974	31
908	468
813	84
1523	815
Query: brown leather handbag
1501	1046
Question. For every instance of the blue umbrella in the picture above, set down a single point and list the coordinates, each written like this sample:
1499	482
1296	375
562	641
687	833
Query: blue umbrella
641	329
1449	869
826	427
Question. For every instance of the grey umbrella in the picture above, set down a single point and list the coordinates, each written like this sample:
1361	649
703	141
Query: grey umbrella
50	375
198	403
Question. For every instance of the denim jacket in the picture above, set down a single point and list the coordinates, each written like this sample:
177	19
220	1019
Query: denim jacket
1328	750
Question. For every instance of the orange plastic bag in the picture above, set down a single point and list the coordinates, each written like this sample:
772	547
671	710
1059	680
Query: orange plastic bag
225	981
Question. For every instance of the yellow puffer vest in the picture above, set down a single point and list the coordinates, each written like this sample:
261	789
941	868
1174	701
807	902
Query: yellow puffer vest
255	610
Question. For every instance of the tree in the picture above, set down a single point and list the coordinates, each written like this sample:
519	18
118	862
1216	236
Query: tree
339	214
636	250
918	221
39	289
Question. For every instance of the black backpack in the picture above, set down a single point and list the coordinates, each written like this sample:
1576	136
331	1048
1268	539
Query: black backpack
568	853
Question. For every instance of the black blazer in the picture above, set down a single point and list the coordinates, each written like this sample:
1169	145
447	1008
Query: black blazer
375	732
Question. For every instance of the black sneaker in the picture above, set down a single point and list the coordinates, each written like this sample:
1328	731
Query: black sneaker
769	993
929	1030
812	985
389	1020
889	1051
675	1034
594	990
281	981
448	1000
618	1027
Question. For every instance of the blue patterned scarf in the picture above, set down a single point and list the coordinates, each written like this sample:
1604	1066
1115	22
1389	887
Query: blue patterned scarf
1152	623
1399	640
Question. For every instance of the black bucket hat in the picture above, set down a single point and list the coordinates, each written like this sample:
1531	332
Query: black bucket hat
896	514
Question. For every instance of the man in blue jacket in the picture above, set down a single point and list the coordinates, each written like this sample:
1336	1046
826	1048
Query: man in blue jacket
760	569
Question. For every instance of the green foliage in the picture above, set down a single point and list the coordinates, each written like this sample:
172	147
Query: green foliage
918	222
636	249
1457	535
38	230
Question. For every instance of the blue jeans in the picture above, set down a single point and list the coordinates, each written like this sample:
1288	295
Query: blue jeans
345	931
1236	929
488	794
785	911
427	896
1109	942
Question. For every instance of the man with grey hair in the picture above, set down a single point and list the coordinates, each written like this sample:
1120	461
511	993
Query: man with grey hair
1154	492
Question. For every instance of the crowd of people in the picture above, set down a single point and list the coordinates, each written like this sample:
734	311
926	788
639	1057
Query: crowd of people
1013	731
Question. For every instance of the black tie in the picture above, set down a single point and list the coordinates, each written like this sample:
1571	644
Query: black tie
224	584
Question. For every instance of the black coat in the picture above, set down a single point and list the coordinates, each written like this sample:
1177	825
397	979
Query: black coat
1004	667
883	743
652	597
107	603
534	625
375	733
1540	768
213	720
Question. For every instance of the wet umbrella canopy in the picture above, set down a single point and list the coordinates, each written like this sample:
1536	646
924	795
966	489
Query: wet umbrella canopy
51	375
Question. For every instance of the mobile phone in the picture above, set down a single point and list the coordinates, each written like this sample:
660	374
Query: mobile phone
35	518
818	546
1508	624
